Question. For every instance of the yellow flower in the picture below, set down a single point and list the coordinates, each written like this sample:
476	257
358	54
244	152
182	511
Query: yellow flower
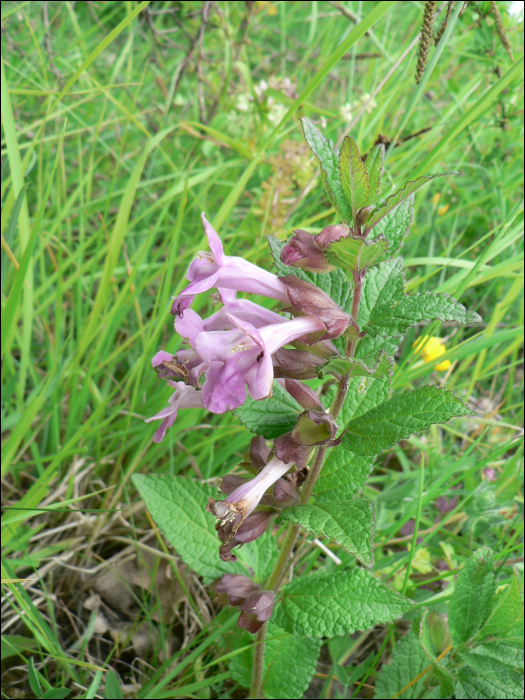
264	4
430	348
435	198
443	210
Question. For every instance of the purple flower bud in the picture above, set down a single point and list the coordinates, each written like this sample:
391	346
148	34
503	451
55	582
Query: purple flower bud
285	494
306	251
259	452
490	474
231	482
256	610
303	394
362	215
237	588
308	299
295	364
287	448
250	529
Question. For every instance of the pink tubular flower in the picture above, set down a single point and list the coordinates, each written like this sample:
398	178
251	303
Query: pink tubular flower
245	499
184	397
218	270
242	358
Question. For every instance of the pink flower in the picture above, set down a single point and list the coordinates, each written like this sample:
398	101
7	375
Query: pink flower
243	501
242	358
218	270
185	396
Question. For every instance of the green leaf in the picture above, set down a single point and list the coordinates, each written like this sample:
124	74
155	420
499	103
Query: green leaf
369	349
113	689
399	197
396	225
342	366
383	284
507	611
509	654
434	637
349	523
408	660
270	417
327	605
356	253
328	157
400	417
343	476
364	393
470	604
334	283
354	176
392	319
288	666
483	677
374	164
178	507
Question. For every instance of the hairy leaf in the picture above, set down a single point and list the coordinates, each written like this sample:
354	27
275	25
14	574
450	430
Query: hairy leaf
471	603
484	677
343	476
374	166
400	196
400	417
507	611
383	284
353	175
364	393
334	283
328	157
509	654
178	507
356	253
288	666
270	417
349	523
327	605
392	319
408	660
396	224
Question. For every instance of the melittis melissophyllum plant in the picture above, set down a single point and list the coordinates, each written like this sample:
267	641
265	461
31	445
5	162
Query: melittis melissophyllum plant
340	315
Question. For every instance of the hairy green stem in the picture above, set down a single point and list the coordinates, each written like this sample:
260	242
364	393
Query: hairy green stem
290	538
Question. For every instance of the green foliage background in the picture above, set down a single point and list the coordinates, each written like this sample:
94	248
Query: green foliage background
121	123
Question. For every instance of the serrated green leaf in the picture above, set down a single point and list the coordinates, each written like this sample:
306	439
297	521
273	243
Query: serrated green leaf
408	660
342	366
328	157
178	507
270	417
343	476
507	611
511	655
288	666
399	197
374	166
400	417
383	284
392	319
353	175
327	605
470	604
364	393
349	523
395	226
356	253
483	677
334	283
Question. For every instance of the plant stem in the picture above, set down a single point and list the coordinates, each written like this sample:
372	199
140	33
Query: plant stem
293	531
